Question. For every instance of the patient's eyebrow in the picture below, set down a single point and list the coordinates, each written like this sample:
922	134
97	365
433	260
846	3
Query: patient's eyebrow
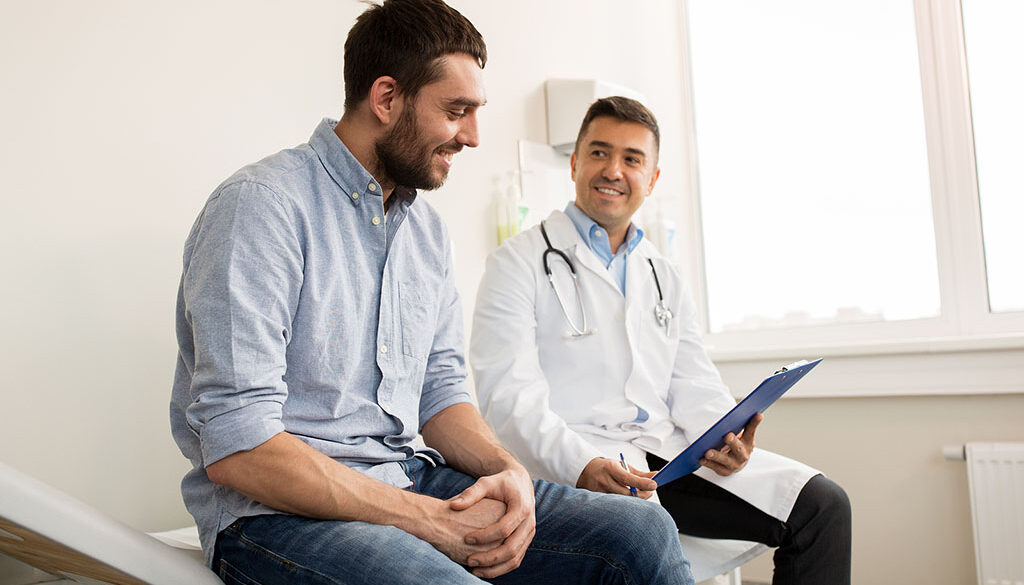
466	102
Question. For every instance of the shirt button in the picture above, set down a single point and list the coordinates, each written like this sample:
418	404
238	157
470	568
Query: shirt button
597	233
375	221
355	195
383	349
371	187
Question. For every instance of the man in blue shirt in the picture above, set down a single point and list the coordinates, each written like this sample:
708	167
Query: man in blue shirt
320	332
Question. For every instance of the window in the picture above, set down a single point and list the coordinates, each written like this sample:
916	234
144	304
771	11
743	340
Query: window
837	186
994	50
813	163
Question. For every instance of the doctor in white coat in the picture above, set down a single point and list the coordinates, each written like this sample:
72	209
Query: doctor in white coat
570	377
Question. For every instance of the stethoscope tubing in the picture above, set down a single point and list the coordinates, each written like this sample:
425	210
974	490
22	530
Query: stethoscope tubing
662	312
576	331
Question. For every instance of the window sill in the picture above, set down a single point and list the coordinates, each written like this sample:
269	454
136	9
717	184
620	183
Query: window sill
933	345
920	367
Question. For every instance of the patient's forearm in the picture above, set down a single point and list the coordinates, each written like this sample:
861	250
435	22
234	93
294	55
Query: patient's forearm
289	475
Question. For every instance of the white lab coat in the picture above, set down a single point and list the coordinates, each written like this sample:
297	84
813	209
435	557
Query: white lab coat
557	402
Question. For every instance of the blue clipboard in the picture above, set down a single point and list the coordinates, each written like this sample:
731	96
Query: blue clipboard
757	401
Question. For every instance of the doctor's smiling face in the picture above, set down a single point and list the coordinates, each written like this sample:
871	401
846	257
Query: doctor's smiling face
615	166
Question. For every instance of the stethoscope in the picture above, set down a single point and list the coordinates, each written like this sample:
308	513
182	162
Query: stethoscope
661	311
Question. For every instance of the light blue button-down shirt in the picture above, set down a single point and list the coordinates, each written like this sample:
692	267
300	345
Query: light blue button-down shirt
301	310
596	238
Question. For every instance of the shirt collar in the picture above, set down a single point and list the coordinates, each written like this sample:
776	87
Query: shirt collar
596	237
354	180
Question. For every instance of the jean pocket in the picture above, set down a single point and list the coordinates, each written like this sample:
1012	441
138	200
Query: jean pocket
231	575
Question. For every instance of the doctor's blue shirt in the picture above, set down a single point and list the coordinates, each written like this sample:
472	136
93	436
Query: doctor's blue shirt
596	239
301	309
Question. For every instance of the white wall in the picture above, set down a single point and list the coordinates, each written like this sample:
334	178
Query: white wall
119	118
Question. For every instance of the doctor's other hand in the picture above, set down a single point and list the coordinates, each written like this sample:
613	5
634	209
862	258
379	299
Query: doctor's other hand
608	476
736	452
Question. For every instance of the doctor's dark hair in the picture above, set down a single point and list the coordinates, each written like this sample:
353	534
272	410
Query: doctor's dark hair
620	108
407	40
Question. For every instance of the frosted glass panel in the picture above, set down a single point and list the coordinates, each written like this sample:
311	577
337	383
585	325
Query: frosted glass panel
995	51
814	182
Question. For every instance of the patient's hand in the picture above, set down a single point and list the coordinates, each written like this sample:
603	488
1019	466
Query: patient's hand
450	528
607	476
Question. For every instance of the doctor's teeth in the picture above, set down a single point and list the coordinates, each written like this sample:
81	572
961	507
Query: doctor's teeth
607	191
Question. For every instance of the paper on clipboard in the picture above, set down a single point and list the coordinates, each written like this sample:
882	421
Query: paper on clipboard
766	393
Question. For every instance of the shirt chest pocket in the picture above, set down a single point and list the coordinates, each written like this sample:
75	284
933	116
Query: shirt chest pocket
418	310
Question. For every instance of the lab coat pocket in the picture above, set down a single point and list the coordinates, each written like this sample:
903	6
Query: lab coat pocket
418	320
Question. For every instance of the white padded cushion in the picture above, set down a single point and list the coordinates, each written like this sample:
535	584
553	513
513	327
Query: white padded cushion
53	531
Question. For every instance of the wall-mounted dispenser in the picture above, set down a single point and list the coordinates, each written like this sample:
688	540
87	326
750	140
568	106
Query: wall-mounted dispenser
567	103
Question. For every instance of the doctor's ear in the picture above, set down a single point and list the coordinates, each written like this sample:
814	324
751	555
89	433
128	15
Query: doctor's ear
654	179
572	166
384	99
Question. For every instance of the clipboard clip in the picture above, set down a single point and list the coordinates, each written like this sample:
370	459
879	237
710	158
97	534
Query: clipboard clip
789	367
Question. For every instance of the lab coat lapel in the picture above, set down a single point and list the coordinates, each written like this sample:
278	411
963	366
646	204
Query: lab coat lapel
564	237
637	291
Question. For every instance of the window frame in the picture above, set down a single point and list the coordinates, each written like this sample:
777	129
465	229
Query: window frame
965	323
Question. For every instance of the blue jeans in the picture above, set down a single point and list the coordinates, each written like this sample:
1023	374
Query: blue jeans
582	537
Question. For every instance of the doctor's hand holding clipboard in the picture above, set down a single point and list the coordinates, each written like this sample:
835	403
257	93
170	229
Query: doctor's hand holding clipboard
615	477
736	452
720	448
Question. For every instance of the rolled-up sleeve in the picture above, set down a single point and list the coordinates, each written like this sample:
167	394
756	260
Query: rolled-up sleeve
444	382
240	291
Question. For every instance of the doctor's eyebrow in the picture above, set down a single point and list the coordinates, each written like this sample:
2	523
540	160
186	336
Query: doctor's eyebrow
629	149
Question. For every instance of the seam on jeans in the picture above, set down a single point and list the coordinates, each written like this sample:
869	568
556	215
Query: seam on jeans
260	549
613	562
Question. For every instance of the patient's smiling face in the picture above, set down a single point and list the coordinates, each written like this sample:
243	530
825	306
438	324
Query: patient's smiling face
614	168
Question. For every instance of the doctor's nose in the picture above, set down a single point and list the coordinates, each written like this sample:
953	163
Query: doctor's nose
612	169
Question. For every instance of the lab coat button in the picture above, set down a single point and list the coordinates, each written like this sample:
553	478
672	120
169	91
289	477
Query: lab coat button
383	349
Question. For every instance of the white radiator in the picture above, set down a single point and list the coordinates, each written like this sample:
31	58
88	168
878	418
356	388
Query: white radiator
995	472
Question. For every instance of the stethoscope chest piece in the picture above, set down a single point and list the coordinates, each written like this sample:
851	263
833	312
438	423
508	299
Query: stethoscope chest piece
663	314
661	311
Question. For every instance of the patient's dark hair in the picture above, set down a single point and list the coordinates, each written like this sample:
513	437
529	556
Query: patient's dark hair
620	108
407	40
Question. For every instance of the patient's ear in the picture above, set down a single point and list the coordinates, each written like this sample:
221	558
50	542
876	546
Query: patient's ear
384	99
